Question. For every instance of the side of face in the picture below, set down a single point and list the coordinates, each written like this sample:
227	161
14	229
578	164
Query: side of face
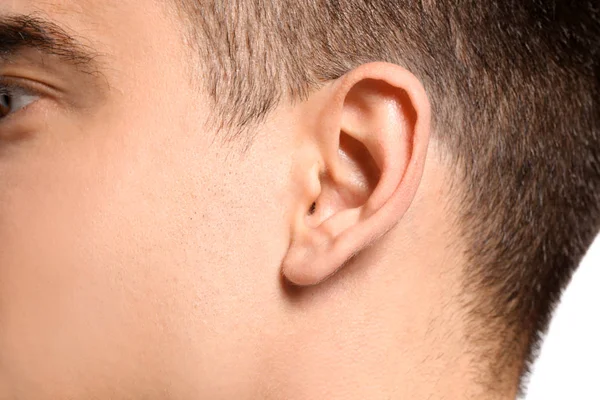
142	258
119	268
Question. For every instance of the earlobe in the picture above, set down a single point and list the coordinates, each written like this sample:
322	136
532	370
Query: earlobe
370	146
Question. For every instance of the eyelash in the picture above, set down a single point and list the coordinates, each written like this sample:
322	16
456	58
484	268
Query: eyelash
8	87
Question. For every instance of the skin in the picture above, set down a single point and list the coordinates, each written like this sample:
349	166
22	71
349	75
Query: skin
142	259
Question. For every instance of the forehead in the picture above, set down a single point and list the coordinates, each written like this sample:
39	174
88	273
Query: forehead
127	34
90	11
85	14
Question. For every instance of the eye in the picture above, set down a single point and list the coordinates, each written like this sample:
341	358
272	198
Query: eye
13	99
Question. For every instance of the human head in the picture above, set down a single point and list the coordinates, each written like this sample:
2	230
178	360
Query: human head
272	200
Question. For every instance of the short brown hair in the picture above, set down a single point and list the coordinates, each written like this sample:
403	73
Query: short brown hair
514	89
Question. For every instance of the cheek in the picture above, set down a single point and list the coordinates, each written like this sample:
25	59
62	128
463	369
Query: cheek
76	235
92	263
131	258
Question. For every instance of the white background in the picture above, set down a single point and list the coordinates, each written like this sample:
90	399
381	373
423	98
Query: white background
569	363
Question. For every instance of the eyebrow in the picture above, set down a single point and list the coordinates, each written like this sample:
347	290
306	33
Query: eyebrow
20	32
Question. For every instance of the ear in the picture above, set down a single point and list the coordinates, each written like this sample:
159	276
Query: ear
357	169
